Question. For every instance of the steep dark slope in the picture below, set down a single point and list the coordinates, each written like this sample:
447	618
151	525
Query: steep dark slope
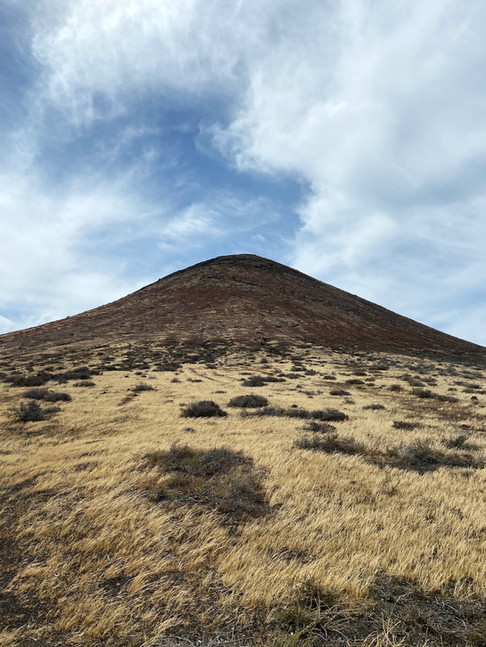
245	298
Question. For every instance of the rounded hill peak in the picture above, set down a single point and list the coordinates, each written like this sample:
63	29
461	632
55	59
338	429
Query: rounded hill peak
245	298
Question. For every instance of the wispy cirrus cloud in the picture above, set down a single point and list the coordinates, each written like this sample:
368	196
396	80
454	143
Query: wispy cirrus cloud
382	113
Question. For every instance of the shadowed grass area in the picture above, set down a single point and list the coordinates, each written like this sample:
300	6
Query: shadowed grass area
219	478
418	456
327	415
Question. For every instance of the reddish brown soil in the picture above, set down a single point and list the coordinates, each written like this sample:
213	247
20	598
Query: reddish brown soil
244	299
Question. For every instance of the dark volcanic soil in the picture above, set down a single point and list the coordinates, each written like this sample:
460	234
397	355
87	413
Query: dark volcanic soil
245	298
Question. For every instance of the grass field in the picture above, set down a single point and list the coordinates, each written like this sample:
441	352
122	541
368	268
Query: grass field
125	521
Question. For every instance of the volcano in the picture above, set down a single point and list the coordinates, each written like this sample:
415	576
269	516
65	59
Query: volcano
246	299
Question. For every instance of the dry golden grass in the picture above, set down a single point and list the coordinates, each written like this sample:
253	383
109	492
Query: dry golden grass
94	557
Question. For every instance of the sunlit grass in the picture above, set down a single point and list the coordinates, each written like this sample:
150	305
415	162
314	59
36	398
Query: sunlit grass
115	564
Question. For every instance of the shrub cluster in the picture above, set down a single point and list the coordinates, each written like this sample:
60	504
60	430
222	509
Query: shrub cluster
142	386
219	478
203	409
248	401
46	395
325	415
330	444
261	380
406	425
427	394
42	377
31	412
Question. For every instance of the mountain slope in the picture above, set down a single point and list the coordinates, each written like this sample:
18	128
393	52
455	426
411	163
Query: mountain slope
246	298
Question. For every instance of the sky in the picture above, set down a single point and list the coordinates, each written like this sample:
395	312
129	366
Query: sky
345	138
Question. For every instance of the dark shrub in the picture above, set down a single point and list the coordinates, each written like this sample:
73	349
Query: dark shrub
248	401
330	444
339	392
143	386
46	395
406	425
31	380
168	367
421	456
57	396
203	409
446	398
354	381
79	373
28	412
459	442
84	383
329	415
319	427
425	394
430	395
36	393
415	382
254	380
419	453
261	380
374	407
220	478
51	409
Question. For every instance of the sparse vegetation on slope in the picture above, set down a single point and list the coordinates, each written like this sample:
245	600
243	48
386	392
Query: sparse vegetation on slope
270	524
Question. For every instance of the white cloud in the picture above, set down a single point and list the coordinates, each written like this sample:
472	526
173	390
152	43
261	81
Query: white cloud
95	55
46	254
381	111
6	325
377	107
220	215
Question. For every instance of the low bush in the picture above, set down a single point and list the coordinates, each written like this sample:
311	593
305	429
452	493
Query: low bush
219	478
46	395
420	455
373	407
319	427
203	409
37	379
78	373
406	425
248	401
458	442
261	380
84	383
330	444
339	392
427	394
325	415
28	412
142	386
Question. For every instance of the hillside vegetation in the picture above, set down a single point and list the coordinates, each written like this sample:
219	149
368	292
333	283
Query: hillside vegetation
164	494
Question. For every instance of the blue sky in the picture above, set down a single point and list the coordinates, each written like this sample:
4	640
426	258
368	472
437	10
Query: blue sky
345	138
